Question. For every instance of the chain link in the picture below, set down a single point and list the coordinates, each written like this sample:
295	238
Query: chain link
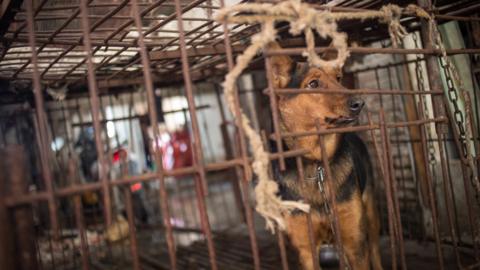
319	178
458	116
423	99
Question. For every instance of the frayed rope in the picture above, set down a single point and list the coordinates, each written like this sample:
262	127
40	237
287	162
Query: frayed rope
302	18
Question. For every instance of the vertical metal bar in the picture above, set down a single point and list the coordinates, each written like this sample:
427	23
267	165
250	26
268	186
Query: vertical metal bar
279	233
377	80
311	238
474	161
81	231
243	149
7	241
465	179
448	199
473	133
283	252
67	131
229	153
196	143
432	63
131	227
388	157
431	193
386	175
274	109
41	118
22	216
396	119
82	129
311	235
70	218
331	198
147	75
130	215
95	106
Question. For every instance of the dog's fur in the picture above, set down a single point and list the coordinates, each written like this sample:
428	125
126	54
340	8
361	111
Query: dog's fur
348	159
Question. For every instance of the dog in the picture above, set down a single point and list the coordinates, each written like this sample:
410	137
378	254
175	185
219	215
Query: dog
350	166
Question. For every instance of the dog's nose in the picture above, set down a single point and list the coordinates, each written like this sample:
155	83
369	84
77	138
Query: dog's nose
355	105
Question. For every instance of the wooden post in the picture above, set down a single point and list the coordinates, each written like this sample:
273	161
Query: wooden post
7	242
22	215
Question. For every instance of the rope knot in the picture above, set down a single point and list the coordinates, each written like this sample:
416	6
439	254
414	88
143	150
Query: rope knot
417	11
392	15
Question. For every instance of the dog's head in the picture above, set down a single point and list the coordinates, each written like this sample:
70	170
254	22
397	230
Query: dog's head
301	112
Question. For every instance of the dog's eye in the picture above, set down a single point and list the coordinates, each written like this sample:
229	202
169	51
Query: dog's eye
313	84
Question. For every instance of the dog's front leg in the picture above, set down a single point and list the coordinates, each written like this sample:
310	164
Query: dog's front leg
298	233
353	228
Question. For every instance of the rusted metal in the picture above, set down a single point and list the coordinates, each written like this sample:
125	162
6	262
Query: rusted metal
431	193
44	145
331	198
201	187
361	128
466	181
95	105
311	235
80	223
283	252
367	50
473	158
202	52
7	240
280	234
448	196
78	216
356	92
156	135
388	194
16	161
392	183
131	228
274	110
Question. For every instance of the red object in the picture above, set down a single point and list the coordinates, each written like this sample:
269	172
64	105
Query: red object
116	155
176	150
136	187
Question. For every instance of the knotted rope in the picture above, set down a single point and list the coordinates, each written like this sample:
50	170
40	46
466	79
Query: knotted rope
302	18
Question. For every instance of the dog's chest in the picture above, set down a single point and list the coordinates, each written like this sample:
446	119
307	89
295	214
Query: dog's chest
313	188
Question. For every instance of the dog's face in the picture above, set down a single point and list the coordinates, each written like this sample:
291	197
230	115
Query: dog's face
301	112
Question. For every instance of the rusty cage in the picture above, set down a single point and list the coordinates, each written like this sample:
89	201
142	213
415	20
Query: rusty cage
119	151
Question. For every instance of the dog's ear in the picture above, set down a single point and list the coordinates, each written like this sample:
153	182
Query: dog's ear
335	72
281	67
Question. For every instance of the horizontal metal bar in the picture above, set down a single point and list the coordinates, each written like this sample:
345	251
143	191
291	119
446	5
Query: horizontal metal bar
367	50
360	128
13	201
363	91
62	192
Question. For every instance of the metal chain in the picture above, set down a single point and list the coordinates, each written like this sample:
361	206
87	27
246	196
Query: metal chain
454	84
459	118
423	99
319	178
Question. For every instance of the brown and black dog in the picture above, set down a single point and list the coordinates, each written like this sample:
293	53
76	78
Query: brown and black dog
348	158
